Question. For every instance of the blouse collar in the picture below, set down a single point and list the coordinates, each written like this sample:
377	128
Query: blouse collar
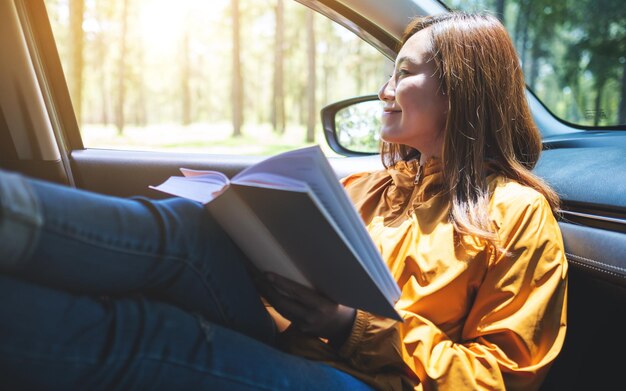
409	174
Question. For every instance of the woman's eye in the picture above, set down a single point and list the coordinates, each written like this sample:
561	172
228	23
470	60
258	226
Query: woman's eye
402	72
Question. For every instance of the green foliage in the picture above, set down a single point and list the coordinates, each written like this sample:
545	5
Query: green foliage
358	127
573	54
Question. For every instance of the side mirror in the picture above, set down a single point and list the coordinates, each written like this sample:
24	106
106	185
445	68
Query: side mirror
352	126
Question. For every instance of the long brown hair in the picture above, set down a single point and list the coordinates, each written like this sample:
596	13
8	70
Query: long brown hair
489	124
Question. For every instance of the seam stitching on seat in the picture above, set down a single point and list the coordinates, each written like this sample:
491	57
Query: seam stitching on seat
621	269
598	269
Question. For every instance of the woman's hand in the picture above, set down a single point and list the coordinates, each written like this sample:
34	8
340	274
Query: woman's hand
307	309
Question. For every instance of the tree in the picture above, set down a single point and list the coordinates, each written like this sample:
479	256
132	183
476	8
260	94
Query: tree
185	74
139	85
500	10
77	14
546	16
121	81
100	60
311	79
359	73
622	103
278	101
522	31
237	82
601	40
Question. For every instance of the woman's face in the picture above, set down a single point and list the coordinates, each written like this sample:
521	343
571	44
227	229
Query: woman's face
415	110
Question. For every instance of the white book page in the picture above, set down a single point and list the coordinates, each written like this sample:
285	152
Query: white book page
272	181
200	186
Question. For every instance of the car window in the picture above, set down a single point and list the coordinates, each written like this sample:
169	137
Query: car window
573	54
163	75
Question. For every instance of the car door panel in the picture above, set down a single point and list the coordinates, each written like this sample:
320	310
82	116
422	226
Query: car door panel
128	173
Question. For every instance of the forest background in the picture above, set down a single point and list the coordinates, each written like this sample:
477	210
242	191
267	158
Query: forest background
250	76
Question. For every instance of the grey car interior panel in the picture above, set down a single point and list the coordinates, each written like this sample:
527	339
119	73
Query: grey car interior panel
585	181
597	250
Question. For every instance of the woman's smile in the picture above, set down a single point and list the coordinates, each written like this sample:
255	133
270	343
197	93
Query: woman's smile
390	110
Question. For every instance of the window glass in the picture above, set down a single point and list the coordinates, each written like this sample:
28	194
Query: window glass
164	75
573	54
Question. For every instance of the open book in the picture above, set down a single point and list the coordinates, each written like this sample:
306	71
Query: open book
290	215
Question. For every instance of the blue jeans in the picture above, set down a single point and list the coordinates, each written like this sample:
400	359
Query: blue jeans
99	292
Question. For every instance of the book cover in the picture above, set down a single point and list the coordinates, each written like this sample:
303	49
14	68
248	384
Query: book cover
290	215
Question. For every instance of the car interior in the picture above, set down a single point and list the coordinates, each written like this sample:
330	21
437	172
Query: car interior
40	137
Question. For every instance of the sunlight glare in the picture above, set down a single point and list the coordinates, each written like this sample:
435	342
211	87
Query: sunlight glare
163	22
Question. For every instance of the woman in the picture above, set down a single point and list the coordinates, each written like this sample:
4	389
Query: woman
466	229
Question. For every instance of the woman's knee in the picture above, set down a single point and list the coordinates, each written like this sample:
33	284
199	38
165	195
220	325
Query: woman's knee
186	226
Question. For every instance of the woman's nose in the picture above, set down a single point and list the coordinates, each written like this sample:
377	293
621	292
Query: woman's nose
387	92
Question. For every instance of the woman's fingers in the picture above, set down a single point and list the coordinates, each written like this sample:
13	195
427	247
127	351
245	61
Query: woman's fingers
299	292
283	302
307	309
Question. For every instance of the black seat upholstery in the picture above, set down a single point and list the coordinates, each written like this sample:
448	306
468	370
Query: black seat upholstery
593	355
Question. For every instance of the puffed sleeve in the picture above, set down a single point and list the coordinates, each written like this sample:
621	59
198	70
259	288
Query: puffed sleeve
513	331
350	179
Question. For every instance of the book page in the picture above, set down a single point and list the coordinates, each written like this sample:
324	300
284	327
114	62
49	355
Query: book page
272	181
200	186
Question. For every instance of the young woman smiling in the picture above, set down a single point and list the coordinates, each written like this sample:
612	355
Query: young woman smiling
467	230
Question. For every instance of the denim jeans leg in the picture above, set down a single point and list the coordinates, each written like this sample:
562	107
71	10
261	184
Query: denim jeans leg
170	250
53	340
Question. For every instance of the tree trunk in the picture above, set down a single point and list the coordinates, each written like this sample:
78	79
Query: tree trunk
358	71
121	81
77	11
621	116
141	85
104	92
311	80
523	51
237	84
598	112
534	64
136	81
500	10
278	101
184	82
327	69
519	22
103	13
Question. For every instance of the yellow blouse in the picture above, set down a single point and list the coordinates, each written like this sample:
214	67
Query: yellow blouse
473	318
